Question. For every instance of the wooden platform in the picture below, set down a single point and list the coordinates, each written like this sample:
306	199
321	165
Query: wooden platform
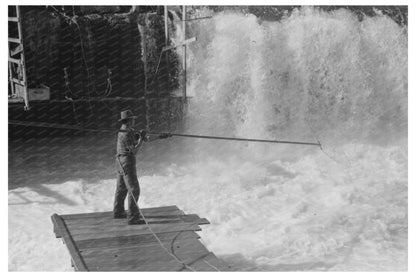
98	242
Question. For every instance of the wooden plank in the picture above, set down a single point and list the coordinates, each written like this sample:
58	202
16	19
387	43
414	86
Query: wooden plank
118	263
16	100
130	229
20	82
185	42
169	265
98	242
13	60
138	231
16	50
125	227
190	262
120	242
176	246
145	211
15	40
104	219
104	222
207	263
70	244
56	226
145	258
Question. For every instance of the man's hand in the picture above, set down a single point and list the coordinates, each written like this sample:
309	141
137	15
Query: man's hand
143	135
165	135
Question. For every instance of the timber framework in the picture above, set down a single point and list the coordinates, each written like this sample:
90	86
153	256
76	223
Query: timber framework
98	242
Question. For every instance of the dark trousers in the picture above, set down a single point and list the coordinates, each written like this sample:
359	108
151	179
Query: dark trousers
127	183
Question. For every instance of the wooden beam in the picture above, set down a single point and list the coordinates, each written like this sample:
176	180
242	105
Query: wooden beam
17	81
156	219
62	231
146	258
13	60
184	51
164	228
145	211
16	50
15	40
185	42
98	242
121	242
16	100
166	25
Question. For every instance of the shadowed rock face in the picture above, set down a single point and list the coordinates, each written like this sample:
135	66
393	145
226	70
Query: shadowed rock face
94	44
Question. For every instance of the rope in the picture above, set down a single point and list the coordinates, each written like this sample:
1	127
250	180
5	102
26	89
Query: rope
86	67
157	238
69	97
212	266
108	89
322	149
157	68
205	261
151	230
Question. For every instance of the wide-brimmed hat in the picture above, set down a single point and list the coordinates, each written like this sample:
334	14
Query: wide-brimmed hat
127	114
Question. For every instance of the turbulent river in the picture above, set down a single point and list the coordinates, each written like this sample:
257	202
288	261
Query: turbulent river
311	76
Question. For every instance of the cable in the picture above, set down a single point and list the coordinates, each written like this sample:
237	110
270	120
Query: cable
86	67
109	87
322	149
150	229
212	266
83	56
68	89
157	68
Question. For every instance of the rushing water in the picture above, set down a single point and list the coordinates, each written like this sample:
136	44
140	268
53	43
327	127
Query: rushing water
311	76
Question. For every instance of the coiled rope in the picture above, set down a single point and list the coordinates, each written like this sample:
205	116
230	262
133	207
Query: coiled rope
151	230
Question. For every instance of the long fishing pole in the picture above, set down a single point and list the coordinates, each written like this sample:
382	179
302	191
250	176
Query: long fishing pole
73	127
239	139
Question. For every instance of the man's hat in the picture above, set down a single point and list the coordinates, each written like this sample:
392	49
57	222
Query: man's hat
127	114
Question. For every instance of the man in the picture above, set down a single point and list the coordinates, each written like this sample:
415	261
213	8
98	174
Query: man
128	143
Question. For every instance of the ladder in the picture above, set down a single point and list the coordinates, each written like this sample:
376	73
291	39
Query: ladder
17	68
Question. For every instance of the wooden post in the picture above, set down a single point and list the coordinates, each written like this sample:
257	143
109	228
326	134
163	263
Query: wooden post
184	51
166	26
167	43
143	34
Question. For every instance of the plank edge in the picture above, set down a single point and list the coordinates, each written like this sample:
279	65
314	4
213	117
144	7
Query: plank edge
62	231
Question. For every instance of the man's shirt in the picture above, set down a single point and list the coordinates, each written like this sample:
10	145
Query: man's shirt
126	142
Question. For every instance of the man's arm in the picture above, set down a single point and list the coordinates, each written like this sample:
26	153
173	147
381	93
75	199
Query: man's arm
142	137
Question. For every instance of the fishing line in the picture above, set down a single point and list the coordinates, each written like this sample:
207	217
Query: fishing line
172	249
86	68
322	148
150	229
157	68
68	89
109	86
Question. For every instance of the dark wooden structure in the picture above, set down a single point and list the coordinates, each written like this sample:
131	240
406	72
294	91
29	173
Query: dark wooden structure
98	242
